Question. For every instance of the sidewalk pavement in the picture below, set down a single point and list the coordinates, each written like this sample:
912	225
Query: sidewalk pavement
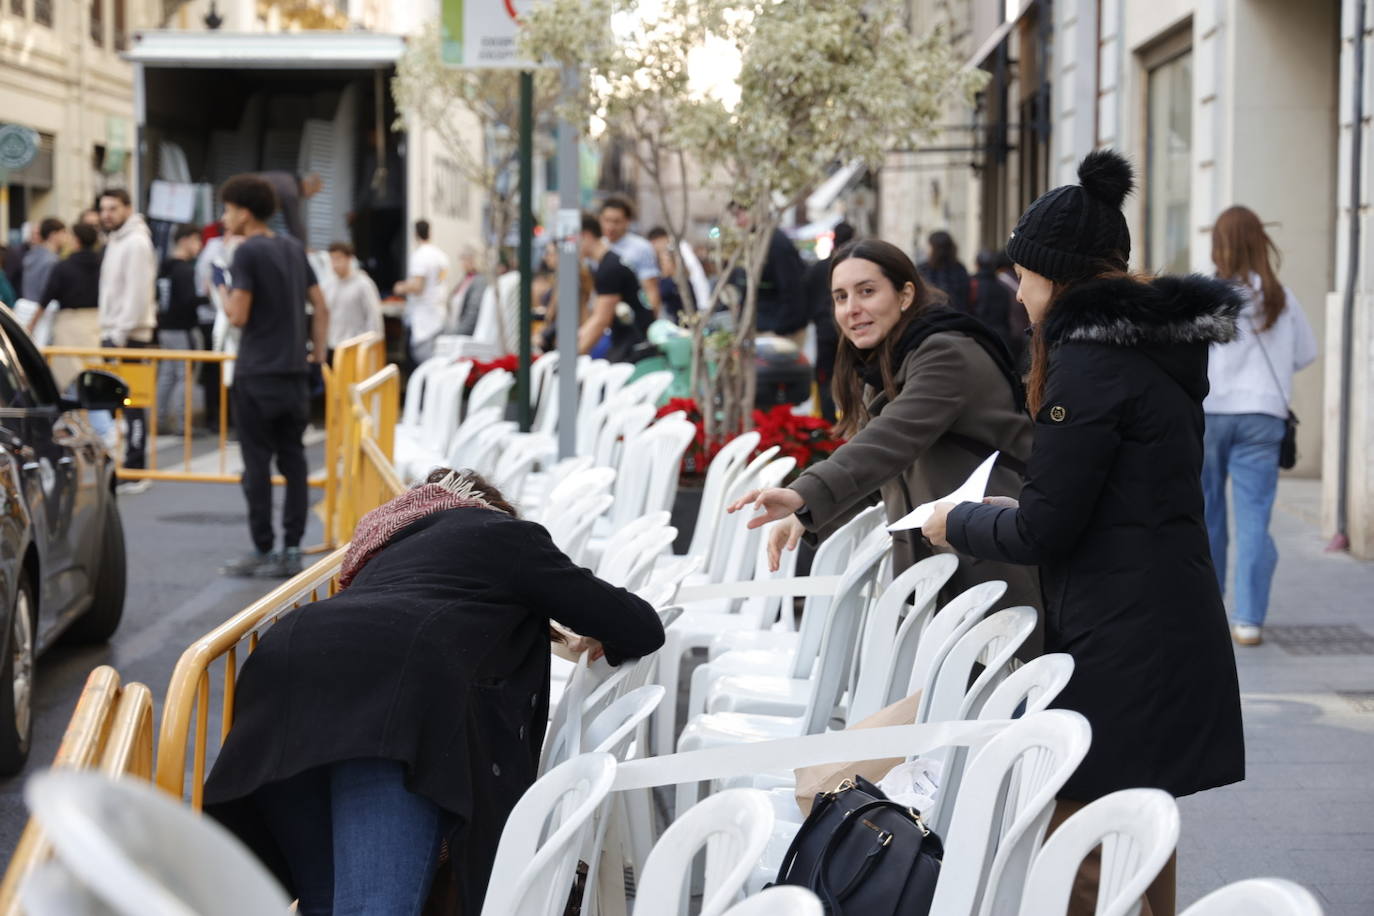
1306	808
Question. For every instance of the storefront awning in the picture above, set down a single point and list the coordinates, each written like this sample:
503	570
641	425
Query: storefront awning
998	36
263	51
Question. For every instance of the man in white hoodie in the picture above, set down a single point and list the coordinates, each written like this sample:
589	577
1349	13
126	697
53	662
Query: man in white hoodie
128	303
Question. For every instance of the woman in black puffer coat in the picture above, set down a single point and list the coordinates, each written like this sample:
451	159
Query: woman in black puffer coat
1112	508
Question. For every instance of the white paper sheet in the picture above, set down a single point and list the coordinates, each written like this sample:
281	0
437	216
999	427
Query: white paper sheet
970	491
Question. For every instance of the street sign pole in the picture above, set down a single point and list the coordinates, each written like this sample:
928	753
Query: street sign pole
522	378
569	297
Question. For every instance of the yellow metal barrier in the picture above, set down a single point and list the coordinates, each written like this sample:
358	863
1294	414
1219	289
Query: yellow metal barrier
112	729
371	481
354	360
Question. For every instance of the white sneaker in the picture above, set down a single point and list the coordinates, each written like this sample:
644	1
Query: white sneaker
133	487
1246	634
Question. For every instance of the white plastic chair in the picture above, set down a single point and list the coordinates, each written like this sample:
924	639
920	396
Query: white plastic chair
416	390
460	447
622	426
544	392
519	459
720	474
491	390
733	827
489	445
143	853
1258	897
783	900
1137	830
648	469
571	528
531	875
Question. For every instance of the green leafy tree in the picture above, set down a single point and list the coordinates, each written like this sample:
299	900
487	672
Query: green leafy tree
811	84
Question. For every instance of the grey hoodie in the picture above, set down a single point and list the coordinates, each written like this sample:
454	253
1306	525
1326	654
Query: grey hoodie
128	284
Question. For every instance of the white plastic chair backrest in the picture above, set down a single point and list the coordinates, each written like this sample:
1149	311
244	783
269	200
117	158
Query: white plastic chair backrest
828	680
544	392
52	890
639	476
733	827
1007	798
648	388
578	483
949	623
917	589
491	390
737	552
530	877
571	528
763	611
591	383
665	581
624	423
621	538
731	525
143	852
992	642
417	389
581	533
519	459
1036	684
613	730
616	378
556	472
448	385
665	462
648	549
488	446
1137	830
829	560
464	438
778	900
1258	897
720	474
590	425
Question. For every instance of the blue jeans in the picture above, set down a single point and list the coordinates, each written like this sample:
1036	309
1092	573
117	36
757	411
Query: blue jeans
1244	447
357	842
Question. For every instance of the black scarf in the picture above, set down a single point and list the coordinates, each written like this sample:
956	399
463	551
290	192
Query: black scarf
939	320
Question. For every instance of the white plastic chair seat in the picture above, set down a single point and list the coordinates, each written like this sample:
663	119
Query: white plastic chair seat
759	693
1258	897
783	900
760	641
726	728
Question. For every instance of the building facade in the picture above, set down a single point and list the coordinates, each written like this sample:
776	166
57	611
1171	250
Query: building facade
62	77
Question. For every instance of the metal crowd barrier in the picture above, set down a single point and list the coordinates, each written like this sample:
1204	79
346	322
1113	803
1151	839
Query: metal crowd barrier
354	360
371	481
112	730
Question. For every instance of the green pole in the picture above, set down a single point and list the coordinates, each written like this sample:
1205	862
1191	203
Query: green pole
526	245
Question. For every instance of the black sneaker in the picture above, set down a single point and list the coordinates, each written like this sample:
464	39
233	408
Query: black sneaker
282	564
249	565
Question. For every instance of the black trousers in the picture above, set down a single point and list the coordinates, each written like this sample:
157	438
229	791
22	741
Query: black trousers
271	413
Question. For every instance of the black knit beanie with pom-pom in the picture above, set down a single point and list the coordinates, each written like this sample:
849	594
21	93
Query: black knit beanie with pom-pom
1070	231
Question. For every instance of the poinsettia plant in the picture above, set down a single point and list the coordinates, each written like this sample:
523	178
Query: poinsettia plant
480	367
807	439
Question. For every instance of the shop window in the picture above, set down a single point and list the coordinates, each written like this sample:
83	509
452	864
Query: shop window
17	7
98	23
42	12
1169	161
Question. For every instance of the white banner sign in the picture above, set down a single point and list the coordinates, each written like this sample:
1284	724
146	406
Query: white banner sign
482	33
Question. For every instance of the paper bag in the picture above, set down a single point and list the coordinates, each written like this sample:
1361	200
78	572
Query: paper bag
826	776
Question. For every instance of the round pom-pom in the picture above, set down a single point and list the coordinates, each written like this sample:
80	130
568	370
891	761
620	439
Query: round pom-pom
1107	176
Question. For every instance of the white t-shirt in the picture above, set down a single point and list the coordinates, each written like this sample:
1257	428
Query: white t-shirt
637	253
425	310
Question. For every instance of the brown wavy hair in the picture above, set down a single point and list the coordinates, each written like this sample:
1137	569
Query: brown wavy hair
1240	247
846	383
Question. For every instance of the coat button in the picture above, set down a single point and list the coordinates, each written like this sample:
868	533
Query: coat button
1058	414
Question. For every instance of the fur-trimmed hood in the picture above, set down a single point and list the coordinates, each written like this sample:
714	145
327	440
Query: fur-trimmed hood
1121	312
1171	320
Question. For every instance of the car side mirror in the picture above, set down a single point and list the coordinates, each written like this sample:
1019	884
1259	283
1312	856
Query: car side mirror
97	389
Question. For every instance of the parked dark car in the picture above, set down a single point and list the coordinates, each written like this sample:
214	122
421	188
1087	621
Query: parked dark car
62	568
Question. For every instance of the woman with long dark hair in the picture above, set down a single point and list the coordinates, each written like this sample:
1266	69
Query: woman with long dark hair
408	710
1112	509
926	394
1247	409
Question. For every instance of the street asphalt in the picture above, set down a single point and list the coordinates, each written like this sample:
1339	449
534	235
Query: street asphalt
1305	810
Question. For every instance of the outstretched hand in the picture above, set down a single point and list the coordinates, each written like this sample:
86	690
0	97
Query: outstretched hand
773	504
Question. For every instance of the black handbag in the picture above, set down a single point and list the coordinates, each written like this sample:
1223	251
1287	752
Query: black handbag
1288	448
862	853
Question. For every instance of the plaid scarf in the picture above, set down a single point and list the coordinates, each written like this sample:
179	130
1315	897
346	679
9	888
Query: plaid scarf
379	526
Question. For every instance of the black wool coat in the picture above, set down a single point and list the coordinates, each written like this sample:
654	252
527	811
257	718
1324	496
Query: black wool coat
437	655
1112	514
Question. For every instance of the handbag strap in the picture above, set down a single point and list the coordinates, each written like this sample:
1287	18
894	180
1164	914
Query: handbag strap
822	882
1268	362
818	808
